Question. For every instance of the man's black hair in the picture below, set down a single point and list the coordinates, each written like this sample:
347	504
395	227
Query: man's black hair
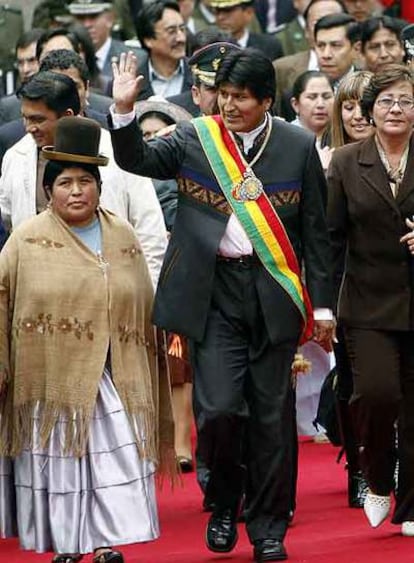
149	15
63	59
29	37
353	28
248	68
57	91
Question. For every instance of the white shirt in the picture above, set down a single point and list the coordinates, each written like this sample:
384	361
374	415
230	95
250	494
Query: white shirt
242	42
102	53
313	61
166	87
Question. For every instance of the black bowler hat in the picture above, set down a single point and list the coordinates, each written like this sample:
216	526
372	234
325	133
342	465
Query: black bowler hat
205	62
76	140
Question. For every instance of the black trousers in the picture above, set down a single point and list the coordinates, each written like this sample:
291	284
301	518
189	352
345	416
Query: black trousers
243	390
383	370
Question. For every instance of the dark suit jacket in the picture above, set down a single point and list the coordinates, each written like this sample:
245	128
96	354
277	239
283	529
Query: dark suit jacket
295	186
10	107
284	11
269	45
287	70
185	100
147	91
13	131
118	47
367	221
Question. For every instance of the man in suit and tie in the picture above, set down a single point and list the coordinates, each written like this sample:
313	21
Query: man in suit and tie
162	33
98	18
234	17
337	45
290	67
225	286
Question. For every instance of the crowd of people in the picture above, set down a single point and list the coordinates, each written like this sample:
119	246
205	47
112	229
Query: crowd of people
197	200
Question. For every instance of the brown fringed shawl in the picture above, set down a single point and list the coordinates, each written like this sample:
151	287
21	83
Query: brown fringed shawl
61	308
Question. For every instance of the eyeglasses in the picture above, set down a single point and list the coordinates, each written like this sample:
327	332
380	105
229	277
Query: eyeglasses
173	30
404	103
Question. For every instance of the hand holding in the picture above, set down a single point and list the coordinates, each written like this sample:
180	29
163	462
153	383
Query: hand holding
324	334
409	237
126	85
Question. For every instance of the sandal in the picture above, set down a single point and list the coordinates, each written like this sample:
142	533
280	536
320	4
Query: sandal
109	557
67	558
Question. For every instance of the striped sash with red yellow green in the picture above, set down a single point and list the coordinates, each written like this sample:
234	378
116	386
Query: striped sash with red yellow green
258	218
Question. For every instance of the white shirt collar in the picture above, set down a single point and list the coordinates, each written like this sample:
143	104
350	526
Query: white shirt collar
102	53
242	42
313	61
154	74
249	137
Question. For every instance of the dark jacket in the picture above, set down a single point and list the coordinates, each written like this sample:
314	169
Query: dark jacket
269	45
367	222
295	187
185	100
147	91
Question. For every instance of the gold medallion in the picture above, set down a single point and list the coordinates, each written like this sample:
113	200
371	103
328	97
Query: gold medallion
249	189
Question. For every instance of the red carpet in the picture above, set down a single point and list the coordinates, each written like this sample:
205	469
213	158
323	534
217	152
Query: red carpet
324	530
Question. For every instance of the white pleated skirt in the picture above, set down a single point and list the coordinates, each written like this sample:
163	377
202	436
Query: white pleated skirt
75	505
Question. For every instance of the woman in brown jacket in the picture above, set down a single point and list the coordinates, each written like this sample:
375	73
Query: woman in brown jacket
371	195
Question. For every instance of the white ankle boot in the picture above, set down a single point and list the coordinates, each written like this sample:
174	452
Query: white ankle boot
377	508
407	529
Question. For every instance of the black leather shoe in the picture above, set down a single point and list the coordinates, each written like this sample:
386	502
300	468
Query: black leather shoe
109	557
269	550
357	489
221	534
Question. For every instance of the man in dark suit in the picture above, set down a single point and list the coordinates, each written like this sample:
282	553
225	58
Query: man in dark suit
234	16
162	33
215	289
98	18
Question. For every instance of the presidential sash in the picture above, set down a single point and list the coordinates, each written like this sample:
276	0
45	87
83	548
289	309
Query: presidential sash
248	200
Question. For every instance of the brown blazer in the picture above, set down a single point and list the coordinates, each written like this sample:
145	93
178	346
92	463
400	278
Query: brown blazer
287	70
366	223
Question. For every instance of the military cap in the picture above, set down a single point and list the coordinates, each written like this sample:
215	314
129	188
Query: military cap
205	62
86	7
226	4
